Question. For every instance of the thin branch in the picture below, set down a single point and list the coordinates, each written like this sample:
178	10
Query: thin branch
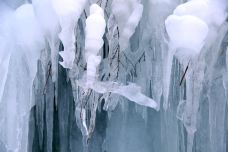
182	78
142	56
85	13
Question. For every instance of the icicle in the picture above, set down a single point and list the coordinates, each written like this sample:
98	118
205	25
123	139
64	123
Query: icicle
167	76
49	23
68	12
217	93
198	25
20	61
95	28
128	14
186	32
131	92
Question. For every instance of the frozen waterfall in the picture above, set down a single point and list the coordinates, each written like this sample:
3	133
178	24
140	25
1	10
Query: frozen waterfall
113	76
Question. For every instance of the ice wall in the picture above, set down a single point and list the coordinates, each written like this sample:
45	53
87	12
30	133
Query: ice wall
167	56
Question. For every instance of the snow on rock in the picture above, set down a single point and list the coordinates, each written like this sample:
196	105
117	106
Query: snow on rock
68	12
128	14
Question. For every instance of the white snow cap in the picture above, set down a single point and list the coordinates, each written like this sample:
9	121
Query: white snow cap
186	31
188	26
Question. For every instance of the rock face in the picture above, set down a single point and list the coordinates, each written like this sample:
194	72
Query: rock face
45	107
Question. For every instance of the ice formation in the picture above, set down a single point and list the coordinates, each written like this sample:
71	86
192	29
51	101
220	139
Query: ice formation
68	12
188	29
49	23
5	55
212	12
24	15
19	55
151	52
128	14
199	19
95	28
186	32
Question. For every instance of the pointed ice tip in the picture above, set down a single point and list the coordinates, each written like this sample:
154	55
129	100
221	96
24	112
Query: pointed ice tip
153	104
62	64
65	65
62	54
156	107
67	61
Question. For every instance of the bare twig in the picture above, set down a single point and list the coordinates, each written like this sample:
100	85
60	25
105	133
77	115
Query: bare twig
85	13
182	78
